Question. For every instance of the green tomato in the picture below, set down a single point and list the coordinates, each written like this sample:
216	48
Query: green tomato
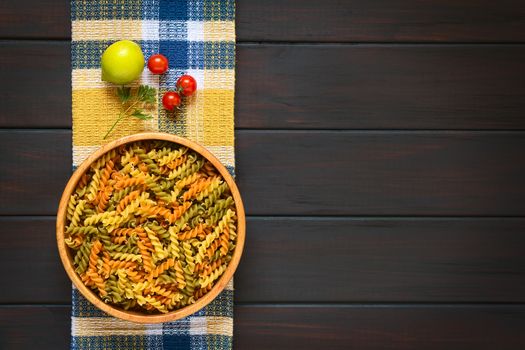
122	62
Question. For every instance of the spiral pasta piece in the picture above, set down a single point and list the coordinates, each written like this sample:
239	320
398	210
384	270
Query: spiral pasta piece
103	198
161	268
158	249
93	257
212	186
188	181
127	200
122	264
172	156
77	213
126	256
128	182
93	186
202	291
177	212
71	206
205	281
147	260
74	242
83	230
225	240
193	233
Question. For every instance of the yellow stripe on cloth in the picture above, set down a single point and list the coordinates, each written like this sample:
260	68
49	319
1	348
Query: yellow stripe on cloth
114	30
217	325
219	31
95	110
222	79
109	326
90	78
218	124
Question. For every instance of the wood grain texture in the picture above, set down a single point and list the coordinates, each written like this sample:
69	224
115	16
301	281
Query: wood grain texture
380	327
35	165
311	20
313	86
37	19
380	87
35	327
382	260
320	260
382	173
365	327
381	20
29	256
316	172
36	84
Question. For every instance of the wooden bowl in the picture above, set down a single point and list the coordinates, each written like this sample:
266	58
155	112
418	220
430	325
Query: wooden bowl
134	316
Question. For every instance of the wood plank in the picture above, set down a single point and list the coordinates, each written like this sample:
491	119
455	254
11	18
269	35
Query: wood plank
381	21
37	84
29	256
311	20
320	260
380	327
363	327
382	173
377	260
380	87
36	166
316	172
35	19
313	86
35	327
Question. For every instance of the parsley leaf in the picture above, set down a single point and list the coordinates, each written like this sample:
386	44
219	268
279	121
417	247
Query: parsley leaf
144	97
138	113
124	93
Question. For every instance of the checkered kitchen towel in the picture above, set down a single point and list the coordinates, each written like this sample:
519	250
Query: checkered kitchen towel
198	37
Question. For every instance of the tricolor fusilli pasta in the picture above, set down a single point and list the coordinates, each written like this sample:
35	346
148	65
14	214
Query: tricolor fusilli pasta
152	226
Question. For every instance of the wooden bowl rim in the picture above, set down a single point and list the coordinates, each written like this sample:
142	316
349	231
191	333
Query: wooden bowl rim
133	315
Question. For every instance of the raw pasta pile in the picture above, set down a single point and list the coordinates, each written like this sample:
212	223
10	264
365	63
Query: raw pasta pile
152	226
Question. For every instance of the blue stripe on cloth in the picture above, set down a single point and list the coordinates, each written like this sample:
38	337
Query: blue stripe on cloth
114	9
181	54
175	10
199	54
177	53
179	342
116	342
192	10
197	342
222	305
83	308
210	10
211	55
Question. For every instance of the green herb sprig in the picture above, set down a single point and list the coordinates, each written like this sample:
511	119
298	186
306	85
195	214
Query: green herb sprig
134	103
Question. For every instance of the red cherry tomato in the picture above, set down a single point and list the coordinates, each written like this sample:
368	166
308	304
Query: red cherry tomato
186	85
158	64
170	100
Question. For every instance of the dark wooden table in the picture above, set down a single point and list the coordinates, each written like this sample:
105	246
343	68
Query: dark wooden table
380	151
